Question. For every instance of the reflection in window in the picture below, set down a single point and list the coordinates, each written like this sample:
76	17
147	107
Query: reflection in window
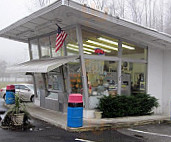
75	77
54	81
102	77
98	44
133	52
45	47
71	42
133	78
52	95
34	49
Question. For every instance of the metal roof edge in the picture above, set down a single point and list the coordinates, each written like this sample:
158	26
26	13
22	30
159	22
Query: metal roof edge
118	20
13	38
91	11
35	14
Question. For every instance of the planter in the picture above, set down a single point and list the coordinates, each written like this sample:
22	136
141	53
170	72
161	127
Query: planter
18	119
98	114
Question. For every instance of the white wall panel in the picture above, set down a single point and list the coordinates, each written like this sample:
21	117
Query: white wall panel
155	73
167	82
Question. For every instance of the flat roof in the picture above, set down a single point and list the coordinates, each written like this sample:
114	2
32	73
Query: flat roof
67	13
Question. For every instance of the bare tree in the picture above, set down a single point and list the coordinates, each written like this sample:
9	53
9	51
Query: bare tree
44	2
100	4
137	9
167	22
117	8
113	8
82	1
33	5
161	8
150	13
121	5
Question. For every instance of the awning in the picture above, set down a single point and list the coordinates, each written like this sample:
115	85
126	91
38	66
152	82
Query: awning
42	65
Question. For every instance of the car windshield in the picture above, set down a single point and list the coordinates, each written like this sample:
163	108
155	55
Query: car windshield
30	87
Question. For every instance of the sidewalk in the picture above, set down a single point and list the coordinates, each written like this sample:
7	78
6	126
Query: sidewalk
60	120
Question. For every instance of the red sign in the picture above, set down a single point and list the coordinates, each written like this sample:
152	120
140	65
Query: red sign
99	51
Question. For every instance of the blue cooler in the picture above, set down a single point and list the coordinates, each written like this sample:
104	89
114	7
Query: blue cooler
75	111
10	94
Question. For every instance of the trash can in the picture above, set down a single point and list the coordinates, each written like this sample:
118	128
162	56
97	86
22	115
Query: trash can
75	111
10	94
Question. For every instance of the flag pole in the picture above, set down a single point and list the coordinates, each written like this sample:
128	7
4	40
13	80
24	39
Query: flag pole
58	26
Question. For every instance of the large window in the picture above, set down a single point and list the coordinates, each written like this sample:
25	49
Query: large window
102	77
48	45
133	59
55	80
54	83
131	51
34	49
133	78
133	69
71	42
98	44
45	47
75	77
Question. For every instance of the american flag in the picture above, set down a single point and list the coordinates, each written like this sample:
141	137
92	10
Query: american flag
60	37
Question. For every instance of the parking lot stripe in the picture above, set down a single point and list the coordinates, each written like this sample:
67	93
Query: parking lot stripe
150	133
82	140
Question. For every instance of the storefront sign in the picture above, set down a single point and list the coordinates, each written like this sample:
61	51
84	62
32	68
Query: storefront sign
99	51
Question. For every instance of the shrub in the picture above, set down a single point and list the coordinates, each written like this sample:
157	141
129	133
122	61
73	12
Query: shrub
134	105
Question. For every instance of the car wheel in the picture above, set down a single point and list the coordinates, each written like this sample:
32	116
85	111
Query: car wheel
32	99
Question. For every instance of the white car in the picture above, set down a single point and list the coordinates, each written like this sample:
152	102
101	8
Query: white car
25	91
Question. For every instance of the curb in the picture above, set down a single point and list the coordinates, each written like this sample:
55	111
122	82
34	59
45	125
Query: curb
48	121
100	126
90	128
114	126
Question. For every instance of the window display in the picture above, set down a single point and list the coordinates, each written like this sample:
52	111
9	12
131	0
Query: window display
75	77
54	81
131	51
104	67
102	77
137	72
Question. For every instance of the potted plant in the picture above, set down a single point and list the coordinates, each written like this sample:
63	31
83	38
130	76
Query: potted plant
98	114
17	114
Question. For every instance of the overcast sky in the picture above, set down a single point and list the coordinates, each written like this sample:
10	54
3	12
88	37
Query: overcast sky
11	11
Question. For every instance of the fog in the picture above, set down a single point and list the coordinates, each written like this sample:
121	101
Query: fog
150	13
12	52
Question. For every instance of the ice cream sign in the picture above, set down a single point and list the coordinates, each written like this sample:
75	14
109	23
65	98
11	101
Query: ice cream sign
99	51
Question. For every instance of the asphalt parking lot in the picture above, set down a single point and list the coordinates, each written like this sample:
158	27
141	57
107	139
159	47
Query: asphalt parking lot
150	133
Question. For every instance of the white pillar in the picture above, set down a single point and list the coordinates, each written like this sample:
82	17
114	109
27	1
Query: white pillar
119	67
83	68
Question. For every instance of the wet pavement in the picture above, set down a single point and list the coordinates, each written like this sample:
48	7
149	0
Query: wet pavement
150	133
44	132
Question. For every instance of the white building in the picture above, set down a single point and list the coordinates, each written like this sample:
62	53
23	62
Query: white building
102	55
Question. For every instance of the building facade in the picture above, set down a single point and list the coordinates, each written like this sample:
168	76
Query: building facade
102	55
